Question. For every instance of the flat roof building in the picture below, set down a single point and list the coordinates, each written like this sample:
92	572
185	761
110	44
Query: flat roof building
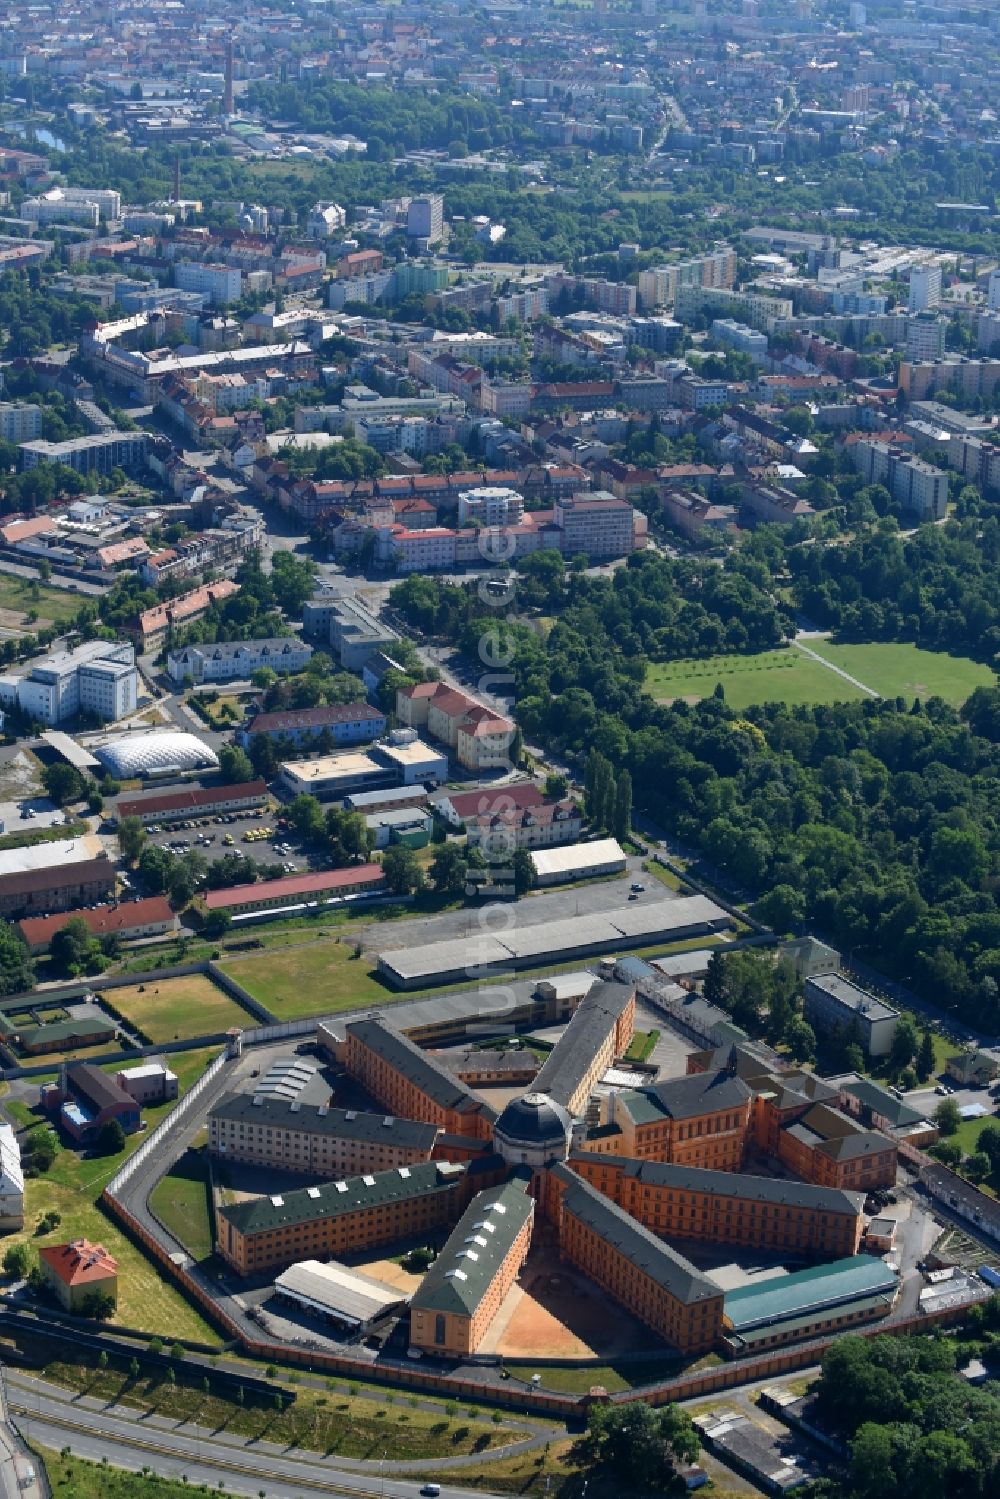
833	1002
580	861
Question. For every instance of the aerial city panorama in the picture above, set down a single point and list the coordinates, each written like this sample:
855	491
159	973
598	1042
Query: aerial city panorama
500	749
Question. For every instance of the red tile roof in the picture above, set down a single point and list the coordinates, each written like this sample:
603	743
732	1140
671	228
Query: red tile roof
295	884
101	922
79	1263
492	800
194	798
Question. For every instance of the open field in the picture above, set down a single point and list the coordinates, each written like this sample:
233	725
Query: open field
782	676
899	670
180	1201
75	1478
21	595
71	1187
315	978
170	1009
790	676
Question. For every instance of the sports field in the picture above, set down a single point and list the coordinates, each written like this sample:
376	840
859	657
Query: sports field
783	676
173	1009
899	670
791	676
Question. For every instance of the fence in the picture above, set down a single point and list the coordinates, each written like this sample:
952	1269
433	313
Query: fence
128	1168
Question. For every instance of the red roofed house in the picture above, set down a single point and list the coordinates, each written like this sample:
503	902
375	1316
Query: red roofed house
479	737
78	1270
135	918
465	807
296	889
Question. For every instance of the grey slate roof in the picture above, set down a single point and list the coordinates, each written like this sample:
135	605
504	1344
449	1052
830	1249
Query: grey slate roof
566	1065
465	1269
284	1209
671	1271
736	1184
686	1097
317	1119
423	1070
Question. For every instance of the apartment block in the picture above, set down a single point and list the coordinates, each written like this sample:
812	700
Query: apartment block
411	1083
291	1135
833	1002
456	1303
97	453
36	892
479	737
219	283
918	486
237	660
658	287
19	421
523	306
966	378
339	1218
425	219
722	1207
597	526
925	288
343	723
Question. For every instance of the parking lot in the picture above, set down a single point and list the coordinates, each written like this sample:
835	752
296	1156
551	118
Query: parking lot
215	836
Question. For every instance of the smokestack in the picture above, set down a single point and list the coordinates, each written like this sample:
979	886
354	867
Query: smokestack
177	179
227	100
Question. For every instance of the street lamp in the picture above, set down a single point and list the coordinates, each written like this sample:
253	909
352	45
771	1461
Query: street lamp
381	1469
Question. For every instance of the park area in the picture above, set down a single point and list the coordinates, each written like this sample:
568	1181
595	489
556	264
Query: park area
790	675
175	1009
71	1188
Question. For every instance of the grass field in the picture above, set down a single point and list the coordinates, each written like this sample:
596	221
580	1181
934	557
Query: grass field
790	676
180	1201
55	604
71	1187
313	979
75	1478
899	670
783	676
171	1009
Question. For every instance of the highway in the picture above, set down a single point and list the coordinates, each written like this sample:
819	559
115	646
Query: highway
55	1418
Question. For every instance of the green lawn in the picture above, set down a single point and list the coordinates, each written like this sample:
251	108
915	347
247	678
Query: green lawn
782	676
317	978
790	676
72	1187
895	670
180	1201
75	1478
170	1009
55	604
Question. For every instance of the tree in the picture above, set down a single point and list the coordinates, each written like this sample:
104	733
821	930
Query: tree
62	783
448	870
41	1144
217	923
17	971
556	786
622	817
947	1117
639	1445
904	1044
782	908
925	1056
110	1138
800	1039
988	1141
131	838
402	870
234	765
19	1261
98	1305
72	947
978	1166
524	871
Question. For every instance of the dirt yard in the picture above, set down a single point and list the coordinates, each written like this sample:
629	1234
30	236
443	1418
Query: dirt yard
556	1313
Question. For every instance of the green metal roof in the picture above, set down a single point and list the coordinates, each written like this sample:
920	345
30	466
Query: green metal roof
873	1306
286	1209
465	1269
808	1291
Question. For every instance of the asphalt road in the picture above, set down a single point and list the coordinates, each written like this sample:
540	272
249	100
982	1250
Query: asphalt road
54	1418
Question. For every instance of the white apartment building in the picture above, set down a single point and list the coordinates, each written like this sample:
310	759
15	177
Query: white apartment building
325	219
925	288
219	283
18	422
658	287
994	291
432	550
425	218
925	336
918	486
988	331
236	660
11	1182
98	677
734	335
490	506
595	525
505	399
523	306
53	208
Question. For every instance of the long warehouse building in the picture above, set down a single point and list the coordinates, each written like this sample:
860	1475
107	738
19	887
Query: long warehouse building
552	942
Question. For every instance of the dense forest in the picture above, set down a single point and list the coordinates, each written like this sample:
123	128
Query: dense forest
912	1427
875	821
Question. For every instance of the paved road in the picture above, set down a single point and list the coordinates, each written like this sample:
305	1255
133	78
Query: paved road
55	1417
